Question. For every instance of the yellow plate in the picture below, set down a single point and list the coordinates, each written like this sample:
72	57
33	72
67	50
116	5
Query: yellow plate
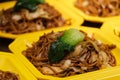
19	45
70	4
75	21
112	30
8	62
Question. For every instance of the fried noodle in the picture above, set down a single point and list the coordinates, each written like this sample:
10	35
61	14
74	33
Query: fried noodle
6	75
89	55
24	21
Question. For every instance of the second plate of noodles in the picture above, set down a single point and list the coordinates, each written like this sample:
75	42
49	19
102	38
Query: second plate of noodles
95	10
18	19
101	8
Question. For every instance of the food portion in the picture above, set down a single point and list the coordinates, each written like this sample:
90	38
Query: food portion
69	52
102	8
29	16
6	75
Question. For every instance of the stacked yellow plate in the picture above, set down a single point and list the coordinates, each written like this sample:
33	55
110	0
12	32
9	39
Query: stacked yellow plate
71	5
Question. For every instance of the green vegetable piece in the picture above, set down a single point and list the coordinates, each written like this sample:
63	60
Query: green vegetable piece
72	37
40	1
31	5
64	44
56	52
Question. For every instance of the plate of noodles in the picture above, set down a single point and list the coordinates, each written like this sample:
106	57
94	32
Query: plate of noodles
68	53
31	16
94	10
12	69
114	30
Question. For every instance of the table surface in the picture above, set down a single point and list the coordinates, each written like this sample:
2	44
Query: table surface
5	0
4	44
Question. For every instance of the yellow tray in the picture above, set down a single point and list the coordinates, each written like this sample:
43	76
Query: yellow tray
19	45
70	4
109	28
8	62
75	21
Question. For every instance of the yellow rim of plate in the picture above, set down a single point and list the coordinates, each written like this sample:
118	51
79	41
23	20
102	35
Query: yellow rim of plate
14	65
108	29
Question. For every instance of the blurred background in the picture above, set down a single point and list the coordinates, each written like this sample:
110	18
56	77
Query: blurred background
6	0
5	42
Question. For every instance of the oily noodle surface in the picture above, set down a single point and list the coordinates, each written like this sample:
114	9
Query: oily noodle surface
89	55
